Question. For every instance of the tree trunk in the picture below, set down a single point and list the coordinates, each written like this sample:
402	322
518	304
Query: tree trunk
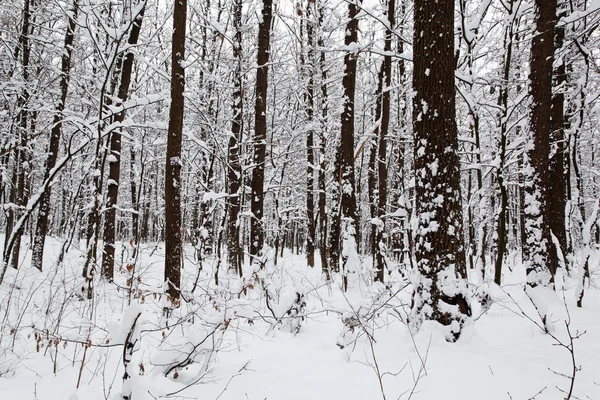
173	240
234	168
19	193
372	174
501	231
344	162
42	220
323	249
257	238
439	239
557	199
310	146
382	155
114	162
540	270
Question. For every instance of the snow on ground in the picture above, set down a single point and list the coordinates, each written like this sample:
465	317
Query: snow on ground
304	340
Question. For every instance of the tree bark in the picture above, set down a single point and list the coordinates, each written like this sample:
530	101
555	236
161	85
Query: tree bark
310	145
382	154
234	168
540	270
173	231
344	161
557	182
53	148
323	248
114	162
257	238
439	247
501	230
19	192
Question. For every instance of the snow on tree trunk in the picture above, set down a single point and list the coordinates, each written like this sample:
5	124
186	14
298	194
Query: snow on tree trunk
234	170
42	220
257	238
440	285
114	164
540	269
344	161
173	239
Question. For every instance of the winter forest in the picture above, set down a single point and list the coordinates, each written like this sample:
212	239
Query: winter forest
299	199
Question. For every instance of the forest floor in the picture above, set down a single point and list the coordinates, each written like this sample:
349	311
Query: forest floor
284	333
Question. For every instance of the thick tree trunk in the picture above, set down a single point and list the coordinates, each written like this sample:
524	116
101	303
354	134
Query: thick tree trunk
439	238
173	230
540	269
257	237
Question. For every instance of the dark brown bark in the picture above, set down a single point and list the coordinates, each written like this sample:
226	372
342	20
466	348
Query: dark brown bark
345	193
540	269
439	247
257	238
323	248
20	189
501	231
234	168
114	162
557	196
133	188
173	230
382	170
310	145
372	170
53	148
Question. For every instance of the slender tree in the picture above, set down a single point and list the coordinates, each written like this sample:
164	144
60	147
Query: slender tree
382	169
440	289
257	238
173	234
323	233
501	230
344	235
309	100
53	148
234	168
557	200
114	162
19	191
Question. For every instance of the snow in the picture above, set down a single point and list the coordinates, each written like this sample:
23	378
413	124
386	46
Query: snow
317	343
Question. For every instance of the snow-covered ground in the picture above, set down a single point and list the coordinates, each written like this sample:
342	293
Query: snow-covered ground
283	333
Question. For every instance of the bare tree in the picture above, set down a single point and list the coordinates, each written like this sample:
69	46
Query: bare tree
234	168
557	182
19	190
173	235
53	148
382	168
343	224
309	100
257	237
114	162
